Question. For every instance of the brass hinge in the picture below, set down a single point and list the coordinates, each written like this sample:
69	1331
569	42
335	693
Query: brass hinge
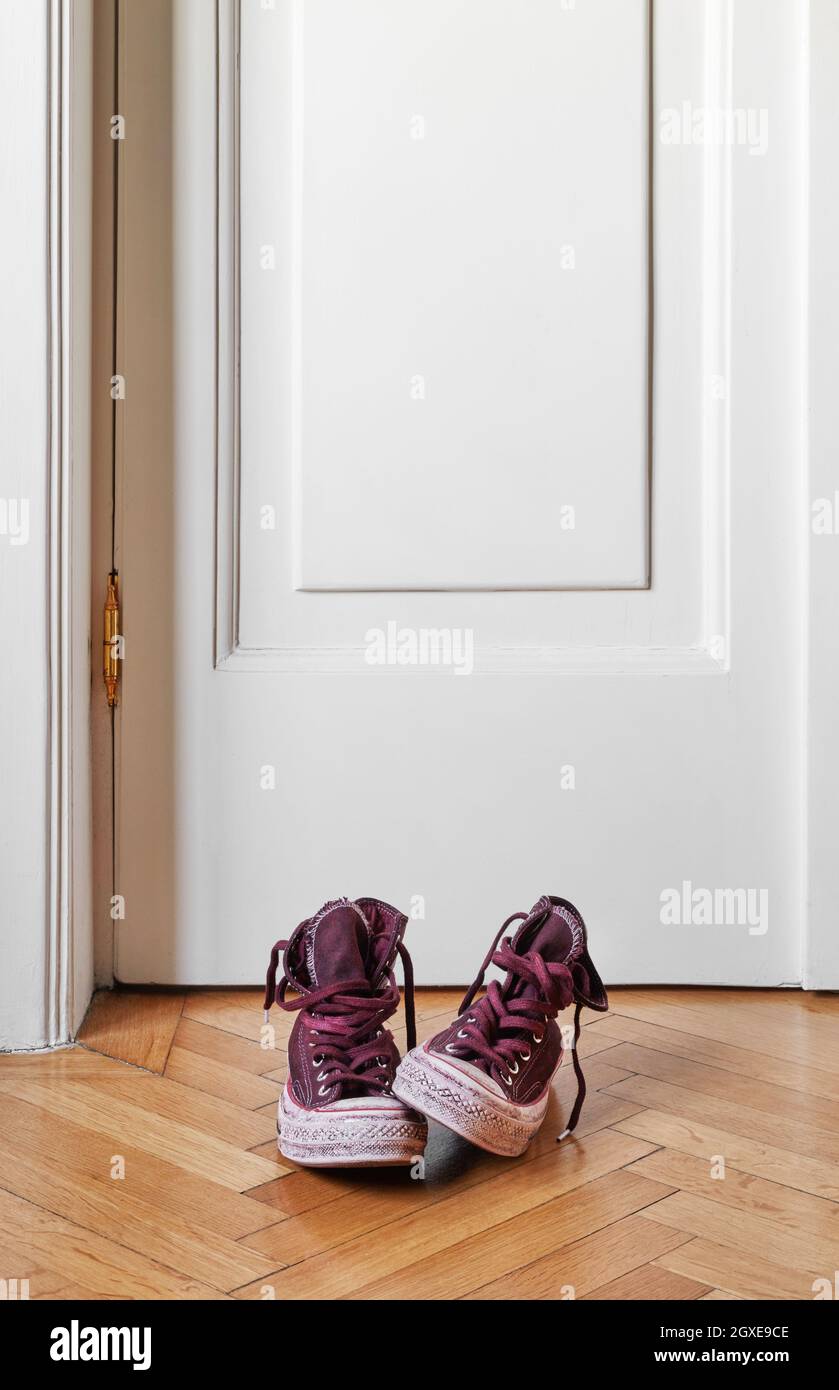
111	640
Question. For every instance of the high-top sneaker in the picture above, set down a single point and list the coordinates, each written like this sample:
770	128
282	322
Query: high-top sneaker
488	1075
337	1108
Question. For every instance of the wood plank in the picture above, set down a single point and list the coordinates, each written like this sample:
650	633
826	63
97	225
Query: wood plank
812	1256
723	1023
742	1060
167	1098
134	1025
278	1075
776	1165
72	1062
412	1238
436	1003
587	1264
252	998
786	1206
213	1009
739	1119
746	1275
787	1010
649	1282
807	1109
201	1154
106	1206
227	1048
74	1293
239	1088
42	1282
720	1296
173	1191
91	1260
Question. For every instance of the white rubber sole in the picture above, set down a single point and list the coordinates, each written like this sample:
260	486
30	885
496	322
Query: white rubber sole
464	1104
381	1133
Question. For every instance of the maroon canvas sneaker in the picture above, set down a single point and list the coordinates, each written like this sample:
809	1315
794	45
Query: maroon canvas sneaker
488	1075
337	1108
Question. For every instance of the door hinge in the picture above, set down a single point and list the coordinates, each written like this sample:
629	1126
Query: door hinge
111	642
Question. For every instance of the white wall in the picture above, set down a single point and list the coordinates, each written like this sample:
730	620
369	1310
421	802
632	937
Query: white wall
44	395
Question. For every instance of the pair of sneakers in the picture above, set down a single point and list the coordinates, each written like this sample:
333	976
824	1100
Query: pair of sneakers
351	1101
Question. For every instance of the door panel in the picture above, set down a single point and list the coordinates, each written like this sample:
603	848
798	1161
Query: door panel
629	720
446	167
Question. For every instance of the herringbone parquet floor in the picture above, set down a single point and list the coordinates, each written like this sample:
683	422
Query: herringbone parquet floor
706	1164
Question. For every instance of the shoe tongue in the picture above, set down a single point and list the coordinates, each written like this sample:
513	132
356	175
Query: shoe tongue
553	938
554	933
336	944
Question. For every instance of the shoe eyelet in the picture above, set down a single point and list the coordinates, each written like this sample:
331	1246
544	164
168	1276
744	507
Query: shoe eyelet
471	1019
450	1047
513	1068
322	1090
461	1033
316	1061
508	1080
525	1056
321	1076
537	1038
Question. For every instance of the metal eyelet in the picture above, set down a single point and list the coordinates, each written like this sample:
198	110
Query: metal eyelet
461	1033
321	1076
525	1056
450	1047
513	1068
471	1019
537	1038
322	1090
316	1061
508	1080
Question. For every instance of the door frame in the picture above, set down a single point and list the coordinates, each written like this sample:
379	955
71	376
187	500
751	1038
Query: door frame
47	979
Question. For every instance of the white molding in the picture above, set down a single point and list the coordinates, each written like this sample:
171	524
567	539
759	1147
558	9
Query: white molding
228	356
685	660
59	946
819	430
716	327
566	661
44	985
68	932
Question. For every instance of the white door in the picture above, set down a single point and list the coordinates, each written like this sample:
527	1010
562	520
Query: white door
462	355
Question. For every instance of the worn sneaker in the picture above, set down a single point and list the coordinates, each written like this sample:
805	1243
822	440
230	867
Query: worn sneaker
488	1075
337	1109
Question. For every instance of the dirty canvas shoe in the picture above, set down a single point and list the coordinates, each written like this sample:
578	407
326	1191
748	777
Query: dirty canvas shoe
488	1075
337	1108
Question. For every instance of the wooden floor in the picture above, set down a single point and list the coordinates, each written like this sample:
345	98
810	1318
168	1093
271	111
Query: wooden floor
157	1176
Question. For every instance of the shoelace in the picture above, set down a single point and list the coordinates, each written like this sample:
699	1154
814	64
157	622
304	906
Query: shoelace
497	1012
344	1021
